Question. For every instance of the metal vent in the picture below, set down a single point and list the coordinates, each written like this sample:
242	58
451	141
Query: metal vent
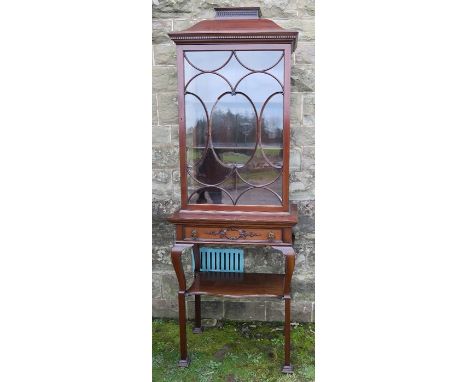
220	260
238	13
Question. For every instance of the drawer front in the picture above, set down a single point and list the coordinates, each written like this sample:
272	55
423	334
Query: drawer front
232	234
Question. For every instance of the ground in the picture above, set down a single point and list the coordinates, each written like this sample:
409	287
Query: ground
233	352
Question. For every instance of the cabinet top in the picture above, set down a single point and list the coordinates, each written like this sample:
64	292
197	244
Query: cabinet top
234	27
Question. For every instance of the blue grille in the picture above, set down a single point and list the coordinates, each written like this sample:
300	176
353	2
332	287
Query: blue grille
220	260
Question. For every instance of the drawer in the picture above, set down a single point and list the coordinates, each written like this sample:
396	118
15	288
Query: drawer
232	234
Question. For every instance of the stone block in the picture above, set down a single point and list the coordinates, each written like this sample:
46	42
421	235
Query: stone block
308	158
302	78
301	186
303	135
162	184
156	286
162	259
302	287
278	8
300	311
209	309
164	80
308	111
169	286
305	53
296	108
163	208
305	27
165	308
295	159
175	134
169	9
164	54
180	25
244	311
163	233
167	108
306	216
161	135
154	105
306	8
263	260
176	184
160	30
166	156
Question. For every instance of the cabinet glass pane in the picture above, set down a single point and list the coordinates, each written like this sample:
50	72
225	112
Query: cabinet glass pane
207	62
259	60
234	127
196	129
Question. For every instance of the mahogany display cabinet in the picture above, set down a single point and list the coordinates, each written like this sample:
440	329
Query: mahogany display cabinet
233	98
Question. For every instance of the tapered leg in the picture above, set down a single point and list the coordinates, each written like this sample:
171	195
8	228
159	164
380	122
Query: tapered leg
198	328
176	253
287	368
289	263
184	360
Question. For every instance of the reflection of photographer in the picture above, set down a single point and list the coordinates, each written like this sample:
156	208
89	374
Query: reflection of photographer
213	193
210	172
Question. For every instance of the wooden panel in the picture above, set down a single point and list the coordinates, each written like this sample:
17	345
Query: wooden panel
232	234
237	284
237	218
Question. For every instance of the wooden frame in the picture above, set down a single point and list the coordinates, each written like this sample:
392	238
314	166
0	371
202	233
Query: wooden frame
181	49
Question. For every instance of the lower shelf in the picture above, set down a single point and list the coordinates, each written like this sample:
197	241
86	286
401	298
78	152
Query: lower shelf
237	284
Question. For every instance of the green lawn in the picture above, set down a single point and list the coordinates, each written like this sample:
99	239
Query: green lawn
232	351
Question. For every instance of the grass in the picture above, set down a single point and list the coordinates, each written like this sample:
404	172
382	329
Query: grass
232	351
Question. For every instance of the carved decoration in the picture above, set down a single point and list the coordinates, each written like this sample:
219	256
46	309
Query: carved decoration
242	233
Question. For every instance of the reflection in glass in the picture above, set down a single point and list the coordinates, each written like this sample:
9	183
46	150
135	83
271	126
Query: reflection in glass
261	196
259	86
208	87
208	195
258	172
233	129
196	129
271	123
189	72
208	61
233	71
209	170
278	71
231	159
259	59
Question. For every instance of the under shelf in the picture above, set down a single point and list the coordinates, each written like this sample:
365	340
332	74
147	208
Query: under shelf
237	284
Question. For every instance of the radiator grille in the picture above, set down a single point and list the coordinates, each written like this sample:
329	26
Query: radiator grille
220	260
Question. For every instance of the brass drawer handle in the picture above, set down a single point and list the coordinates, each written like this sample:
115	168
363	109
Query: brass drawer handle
194	234
271	236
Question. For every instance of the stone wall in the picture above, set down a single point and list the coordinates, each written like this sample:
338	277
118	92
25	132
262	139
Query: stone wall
174	15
